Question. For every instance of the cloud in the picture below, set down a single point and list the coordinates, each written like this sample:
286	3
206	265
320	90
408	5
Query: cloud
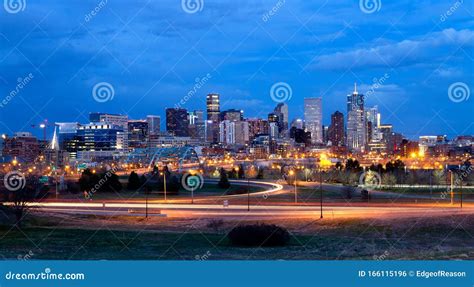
398	54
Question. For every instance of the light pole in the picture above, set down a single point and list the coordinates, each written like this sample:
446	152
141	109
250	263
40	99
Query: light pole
248	193
146	203
292	172
452	187
321	191
164	182
460	184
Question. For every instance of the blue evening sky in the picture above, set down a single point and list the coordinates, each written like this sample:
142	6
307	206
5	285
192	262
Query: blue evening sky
152	52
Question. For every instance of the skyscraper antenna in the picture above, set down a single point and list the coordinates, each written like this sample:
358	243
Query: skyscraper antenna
355	87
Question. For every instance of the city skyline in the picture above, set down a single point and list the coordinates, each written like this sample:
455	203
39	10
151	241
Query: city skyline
401	70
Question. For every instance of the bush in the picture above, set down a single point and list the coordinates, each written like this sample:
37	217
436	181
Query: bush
215	224
223	181
259	235
133	181
101	182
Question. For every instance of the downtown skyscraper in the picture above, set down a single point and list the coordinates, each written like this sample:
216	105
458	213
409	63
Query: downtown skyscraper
213	115
356	122
313	116
336	129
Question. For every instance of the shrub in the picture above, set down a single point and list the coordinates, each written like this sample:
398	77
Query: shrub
223	181
215	224
259	235
133	181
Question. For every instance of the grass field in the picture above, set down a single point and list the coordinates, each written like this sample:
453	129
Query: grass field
125	194
92	237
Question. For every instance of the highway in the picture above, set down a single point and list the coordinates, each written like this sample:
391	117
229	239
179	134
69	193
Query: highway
257	211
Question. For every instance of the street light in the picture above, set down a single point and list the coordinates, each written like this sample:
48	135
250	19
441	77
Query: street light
321	191
248	192
164	182
296	194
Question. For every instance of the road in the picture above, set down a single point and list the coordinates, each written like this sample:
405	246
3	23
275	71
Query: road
256	212
260	210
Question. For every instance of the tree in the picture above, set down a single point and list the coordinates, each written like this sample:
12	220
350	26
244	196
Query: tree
91	183
389	179
134	182
339	165
232	173
353	165
260	173
32	191
87	180
223	181
241	172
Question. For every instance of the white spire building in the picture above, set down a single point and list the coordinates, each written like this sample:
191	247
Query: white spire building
356	122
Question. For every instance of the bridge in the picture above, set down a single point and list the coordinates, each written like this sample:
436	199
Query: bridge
174	157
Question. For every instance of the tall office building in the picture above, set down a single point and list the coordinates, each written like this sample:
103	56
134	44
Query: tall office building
154	124
356	122
197	126
234	132
336	129
98	141
281	110
313	116
273	130
137	133
67	137
298	124
373	125
177	122
257	127
23	145
112	119
232	115
213	112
